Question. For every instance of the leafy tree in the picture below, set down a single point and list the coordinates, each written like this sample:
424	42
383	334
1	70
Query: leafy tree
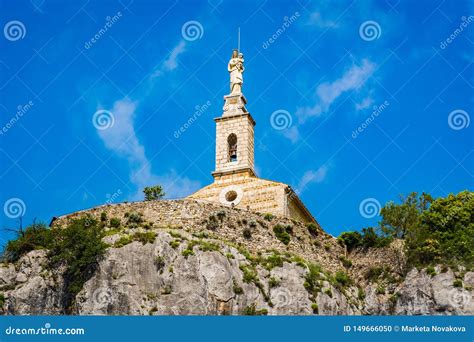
445	233
153	193
400	219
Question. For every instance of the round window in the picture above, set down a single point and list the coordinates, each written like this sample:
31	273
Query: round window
230	196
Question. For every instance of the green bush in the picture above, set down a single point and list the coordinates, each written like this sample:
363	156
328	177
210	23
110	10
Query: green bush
342	279
237	289
360	294
315	308
134	219
144	238
252	311
123	241
79	248
115	222
159	262
103	216
312	228
430	270
282	234
249	274
380	289
328	292
187	252
273	282
268	217
247	232
457	283
212	223
174	244
36	236
345	262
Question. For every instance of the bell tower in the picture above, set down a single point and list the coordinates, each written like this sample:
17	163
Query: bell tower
235	128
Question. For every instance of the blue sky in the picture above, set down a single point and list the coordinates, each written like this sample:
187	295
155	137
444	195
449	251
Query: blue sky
372	99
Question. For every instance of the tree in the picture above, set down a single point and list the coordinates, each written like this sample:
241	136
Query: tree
398	220
153	193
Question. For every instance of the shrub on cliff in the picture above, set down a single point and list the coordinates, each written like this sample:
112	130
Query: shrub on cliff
78	247
36	236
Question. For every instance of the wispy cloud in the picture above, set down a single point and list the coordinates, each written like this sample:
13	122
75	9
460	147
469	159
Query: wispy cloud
364	103
316	19
171	62
328	92
122	139
312	176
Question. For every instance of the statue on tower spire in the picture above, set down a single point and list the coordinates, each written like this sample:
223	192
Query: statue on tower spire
236	69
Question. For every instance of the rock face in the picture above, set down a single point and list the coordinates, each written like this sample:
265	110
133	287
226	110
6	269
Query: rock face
187	272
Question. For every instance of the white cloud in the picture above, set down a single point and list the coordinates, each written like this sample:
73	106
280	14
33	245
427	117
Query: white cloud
365	103
121	138
328	92
312	176
316	19
171	62
291	133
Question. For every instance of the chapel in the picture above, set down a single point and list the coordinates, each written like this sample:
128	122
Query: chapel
235	181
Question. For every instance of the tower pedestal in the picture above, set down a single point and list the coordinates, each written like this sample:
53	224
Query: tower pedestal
234	105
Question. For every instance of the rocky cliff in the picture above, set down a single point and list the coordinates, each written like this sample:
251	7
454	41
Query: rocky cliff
205	259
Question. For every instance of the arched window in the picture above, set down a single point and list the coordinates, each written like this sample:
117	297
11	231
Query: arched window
232	147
